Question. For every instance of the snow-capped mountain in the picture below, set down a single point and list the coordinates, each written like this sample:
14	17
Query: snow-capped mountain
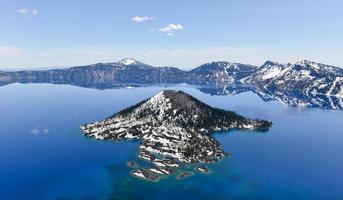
221	72
128	61
267	71
300	80
131	62
174	125
100	75
305	77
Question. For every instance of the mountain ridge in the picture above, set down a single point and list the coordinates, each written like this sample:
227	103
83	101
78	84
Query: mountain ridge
303	77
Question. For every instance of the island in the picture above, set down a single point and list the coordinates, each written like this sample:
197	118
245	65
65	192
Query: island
175	129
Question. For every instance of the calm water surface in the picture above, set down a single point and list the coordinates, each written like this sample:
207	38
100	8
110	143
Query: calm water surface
44	155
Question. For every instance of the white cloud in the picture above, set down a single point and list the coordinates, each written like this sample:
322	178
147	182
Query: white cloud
23	11
141	19
171	28
26	11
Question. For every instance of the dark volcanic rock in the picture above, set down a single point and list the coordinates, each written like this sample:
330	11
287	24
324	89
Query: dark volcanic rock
173	125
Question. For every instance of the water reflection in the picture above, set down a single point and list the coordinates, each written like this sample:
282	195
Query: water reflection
291	99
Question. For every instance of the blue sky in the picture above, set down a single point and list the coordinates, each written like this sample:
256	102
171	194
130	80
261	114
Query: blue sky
46	33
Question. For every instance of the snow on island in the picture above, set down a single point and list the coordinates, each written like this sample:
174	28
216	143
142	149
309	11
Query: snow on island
175	129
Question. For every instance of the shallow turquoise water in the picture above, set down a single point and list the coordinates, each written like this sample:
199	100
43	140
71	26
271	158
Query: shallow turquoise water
44	155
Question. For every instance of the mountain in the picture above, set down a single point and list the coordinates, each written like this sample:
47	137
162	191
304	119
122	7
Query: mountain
302	78
174	125
266	72
306	82
100	75
220	73
130	71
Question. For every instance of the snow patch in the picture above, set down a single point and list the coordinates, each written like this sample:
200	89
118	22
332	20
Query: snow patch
128	61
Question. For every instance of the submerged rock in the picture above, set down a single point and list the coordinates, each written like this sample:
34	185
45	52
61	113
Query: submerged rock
185	174
174	127
203	169
145	174
131	164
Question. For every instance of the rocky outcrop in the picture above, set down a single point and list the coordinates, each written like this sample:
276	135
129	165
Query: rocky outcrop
174	127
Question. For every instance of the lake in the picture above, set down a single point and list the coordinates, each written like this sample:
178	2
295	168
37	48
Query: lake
44	155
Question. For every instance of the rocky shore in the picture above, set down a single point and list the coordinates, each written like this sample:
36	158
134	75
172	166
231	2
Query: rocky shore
174	129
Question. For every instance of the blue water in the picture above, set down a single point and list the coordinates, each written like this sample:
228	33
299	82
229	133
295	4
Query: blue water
43	154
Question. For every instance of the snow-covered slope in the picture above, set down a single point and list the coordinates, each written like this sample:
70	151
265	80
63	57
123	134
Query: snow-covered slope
128	61
174	125
305	77
267	71
220	73
131	62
